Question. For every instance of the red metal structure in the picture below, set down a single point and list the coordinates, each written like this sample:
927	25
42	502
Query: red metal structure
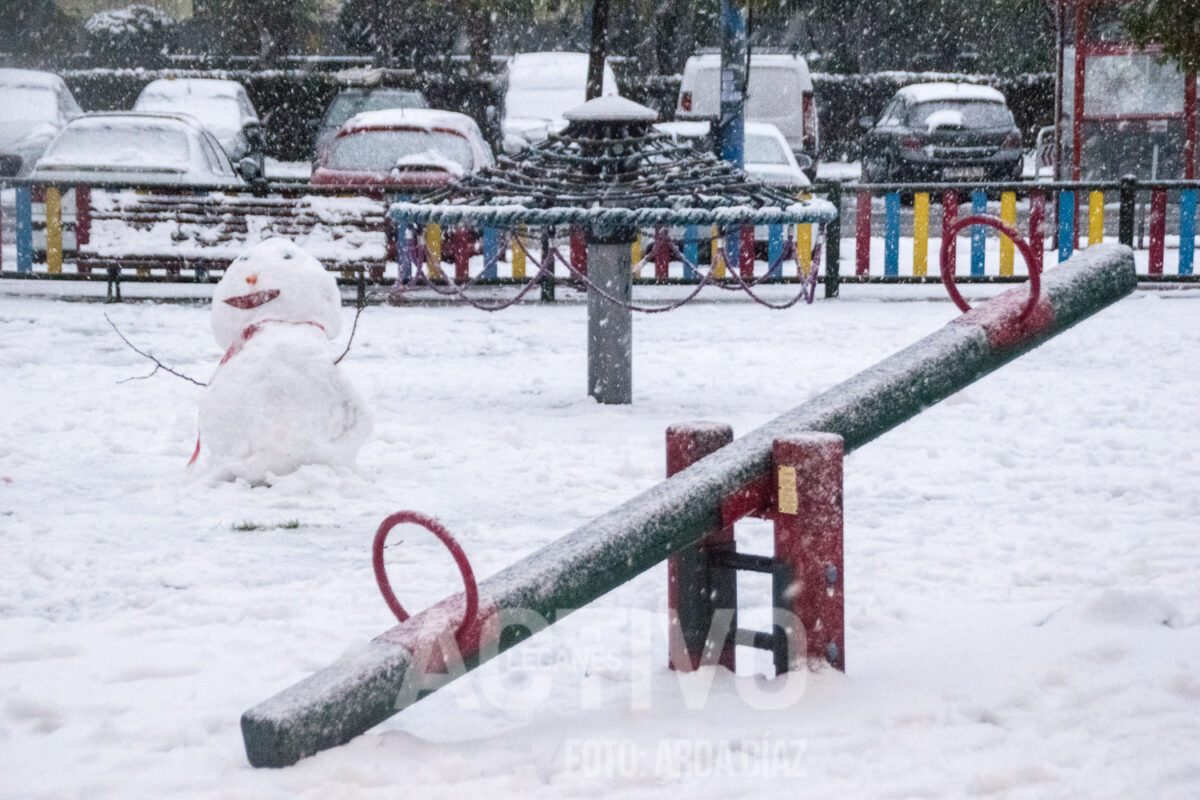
1118	109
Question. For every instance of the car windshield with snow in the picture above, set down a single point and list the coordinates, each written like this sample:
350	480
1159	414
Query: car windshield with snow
36	107
942	132
411	148
140	149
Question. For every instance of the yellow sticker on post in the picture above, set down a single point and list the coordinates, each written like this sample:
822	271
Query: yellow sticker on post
788	500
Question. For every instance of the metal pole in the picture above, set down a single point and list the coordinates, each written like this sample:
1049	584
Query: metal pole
833	242
731	131
393	671
610	324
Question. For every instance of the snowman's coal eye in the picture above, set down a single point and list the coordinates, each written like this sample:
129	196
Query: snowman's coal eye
287	256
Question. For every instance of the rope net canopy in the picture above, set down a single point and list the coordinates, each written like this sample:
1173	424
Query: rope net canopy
610	168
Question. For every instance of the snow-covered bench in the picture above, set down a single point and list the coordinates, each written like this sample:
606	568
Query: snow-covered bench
202	233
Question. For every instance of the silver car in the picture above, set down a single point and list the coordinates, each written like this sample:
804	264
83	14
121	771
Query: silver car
36	107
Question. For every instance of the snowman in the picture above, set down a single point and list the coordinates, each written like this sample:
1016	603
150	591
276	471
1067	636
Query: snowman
277	400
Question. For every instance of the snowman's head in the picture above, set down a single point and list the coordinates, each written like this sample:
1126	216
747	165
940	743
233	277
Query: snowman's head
274	280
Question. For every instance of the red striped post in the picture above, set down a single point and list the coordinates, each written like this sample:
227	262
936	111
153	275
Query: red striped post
695	591
1158	229
662	255
949	217
862	235
579	250
462	253
1037	234
808	544
746	252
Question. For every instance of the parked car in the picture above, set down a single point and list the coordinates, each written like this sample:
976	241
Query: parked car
138	148
542	87
942	132
779	91
36	107
221	106
409	149
768	156
349	102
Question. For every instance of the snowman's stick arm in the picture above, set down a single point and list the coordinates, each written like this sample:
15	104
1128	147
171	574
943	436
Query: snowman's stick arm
158	364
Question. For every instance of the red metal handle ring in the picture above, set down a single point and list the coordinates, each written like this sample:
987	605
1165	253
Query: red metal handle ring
443	535
948	241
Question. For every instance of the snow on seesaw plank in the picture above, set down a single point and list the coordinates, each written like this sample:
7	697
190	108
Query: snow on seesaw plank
1021	562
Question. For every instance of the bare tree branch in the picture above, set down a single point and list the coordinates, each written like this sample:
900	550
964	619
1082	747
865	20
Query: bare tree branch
143	354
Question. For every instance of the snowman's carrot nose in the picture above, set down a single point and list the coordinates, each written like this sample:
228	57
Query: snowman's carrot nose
252	279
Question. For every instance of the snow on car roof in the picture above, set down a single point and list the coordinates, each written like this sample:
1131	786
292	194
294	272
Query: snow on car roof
410	118
931	92
31	78
182	87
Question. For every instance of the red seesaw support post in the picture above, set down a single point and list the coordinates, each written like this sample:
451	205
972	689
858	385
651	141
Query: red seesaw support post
802	494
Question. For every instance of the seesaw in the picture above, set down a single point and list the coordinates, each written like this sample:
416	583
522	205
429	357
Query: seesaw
788	469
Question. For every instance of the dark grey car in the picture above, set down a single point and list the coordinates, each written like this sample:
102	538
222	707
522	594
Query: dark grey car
934	132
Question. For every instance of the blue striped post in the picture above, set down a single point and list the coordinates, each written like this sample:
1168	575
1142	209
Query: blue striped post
24	222
978	233
775	250
1066	225
691	250
891	234
1187	230
732	247
491	252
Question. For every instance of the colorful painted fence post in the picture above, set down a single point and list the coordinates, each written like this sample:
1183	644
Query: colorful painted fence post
862	235
804	249
718	260
891	234
578	248
24	229
662	255
1095	218
921	234
746	251
1158	229
1187	230
491	252
1037	235
1066	225
54	231
949	217
978	234
518	253
775	250
433	250
1008	213
691	250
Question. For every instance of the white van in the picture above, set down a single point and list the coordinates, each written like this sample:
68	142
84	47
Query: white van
780	92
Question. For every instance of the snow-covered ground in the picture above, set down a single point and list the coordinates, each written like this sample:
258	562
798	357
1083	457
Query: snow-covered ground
1022	561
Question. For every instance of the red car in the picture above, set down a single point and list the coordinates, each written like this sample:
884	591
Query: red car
399	149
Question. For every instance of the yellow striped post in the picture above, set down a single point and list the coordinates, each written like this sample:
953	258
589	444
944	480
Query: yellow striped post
636	250
1008	213
54	246
718	256
921	234
433	250
804	243
1095	218
518	253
